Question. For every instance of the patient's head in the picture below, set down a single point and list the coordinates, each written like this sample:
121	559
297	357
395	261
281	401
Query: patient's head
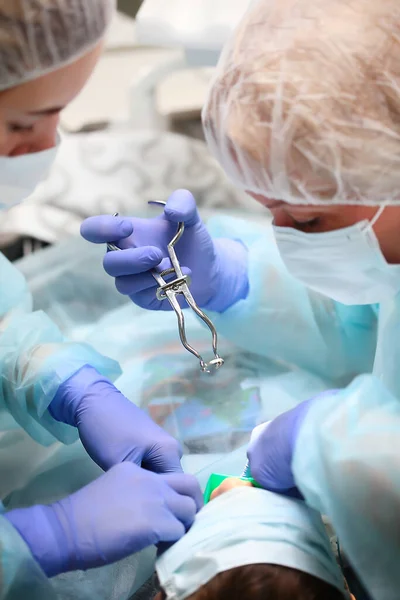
264	582
250	580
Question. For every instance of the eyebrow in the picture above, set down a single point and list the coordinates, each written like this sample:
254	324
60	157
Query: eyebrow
46	111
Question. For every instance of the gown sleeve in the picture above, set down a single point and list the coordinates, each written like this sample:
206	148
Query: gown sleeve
20	575
35	360
347	465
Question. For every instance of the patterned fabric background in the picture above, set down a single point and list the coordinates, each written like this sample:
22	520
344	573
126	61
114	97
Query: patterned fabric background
110	172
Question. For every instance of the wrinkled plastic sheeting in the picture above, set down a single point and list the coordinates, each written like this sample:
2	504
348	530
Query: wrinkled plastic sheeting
210	415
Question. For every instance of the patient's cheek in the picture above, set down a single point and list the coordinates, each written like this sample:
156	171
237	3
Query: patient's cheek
229	484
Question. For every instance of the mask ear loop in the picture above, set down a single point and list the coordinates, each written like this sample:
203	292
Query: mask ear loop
377	215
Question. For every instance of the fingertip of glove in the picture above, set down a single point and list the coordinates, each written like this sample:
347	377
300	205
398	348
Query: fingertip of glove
102	229
181	206
154	255
181	195
126	228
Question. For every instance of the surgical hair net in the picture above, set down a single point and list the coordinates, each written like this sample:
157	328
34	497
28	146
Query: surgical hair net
248	526
40	36
305	103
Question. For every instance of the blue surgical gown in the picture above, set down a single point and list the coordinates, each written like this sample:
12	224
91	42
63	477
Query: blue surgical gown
347	457
35	464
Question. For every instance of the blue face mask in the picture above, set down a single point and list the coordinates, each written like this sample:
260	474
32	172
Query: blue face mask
20	175
248	526
346	265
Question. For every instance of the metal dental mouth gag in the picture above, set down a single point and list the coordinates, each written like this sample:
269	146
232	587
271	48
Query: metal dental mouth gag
179	286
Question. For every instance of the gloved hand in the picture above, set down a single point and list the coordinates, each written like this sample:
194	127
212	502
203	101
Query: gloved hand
218	267
122	512
270	452
112	429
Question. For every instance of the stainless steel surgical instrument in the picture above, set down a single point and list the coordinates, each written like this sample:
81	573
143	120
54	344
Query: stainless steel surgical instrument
179	286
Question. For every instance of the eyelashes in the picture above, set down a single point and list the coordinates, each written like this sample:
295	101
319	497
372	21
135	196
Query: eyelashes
307	225
14	128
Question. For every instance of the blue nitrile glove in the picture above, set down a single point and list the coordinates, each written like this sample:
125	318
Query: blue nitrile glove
122	512
112	428
270	453
218	267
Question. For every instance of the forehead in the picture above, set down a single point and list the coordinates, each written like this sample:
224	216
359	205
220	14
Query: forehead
55	89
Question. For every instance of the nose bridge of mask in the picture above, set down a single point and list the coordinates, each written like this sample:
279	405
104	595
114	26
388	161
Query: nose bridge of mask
20	175
331	248
338	241
30	164
23	169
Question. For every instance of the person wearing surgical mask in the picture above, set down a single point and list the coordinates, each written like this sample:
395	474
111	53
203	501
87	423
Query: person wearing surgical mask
59	511
304	114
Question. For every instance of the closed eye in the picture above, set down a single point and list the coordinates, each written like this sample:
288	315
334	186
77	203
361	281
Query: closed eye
309	225
14	128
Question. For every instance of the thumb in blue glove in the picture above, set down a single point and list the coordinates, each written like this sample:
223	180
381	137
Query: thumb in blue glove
122	512
113	429
270	453
218	268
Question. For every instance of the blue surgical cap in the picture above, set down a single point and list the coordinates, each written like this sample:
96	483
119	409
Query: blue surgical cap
248	526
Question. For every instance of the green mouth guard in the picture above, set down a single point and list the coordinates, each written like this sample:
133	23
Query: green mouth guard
215	481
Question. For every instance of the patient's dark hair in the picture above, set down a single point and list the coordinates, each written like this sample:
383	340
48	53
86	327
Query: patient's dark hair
265	582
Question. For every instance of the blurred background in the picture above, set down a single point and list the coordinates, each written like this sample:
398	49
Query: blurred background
135	132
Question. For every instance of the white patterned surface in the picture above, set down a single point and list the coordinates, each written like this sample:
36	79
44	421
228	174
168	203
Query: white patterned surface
110	172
